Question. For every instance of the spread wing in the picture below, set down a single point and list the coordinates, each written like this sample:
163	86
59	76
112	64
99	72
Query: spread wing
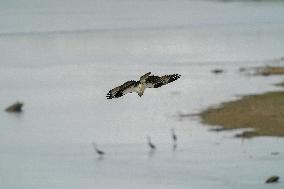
144	77
169	78
153	82
156	81
127	87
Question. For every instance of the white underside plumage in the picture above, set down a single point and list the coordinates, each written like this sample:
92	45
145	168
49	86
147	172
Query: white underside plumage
140	89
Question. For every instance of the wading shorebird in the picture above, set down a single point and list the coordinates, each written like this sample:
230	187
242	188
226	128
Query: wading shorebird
150	144
146	81
99	152
174	137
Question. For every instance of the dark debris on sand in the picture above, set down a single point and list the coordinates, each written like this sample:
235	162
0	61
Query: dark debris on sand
272	179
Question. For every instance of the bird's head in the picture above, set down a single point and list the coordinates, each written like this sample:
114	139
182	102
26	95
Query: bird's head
140	94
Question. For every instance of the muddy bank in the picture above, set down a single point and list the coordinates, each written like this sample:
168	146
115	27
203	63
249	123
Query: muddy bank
264	113
270	70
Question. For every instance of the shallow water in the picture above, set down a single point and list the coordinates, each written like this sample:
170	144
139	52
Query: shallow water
49	144
62	69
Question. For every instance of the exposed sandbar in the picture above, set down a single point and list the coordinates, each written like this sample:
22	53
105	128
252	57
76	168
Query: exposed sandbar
263	113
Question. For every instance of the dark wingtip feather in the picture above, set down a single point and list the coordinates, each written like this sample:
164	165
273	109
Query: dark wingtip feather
174	77
109	96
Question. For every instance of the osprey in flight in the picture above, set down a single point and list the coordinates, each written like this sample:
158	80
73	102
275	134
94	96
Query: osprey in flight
146	81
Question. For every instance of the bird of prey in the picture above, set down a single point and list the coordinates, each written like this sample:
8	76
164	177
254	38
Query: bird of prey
146	81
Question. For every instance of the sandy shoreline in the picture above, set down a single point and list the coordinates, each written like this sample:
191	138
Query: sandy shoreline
263	113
